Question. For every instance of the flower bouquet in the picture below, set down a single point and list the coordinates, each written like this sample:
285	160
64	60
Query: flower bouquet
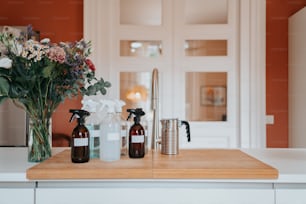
38	76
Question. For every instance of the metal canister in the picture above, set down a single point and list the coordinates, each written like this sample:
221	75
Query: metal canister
170	136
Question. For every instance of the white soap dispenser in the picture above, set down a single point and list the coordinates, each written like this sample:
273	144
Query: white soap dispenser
93	125
123	127
110	140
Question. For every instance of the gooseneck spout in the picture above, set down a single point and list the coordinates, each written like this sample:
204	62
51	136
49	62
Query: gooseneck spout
155	109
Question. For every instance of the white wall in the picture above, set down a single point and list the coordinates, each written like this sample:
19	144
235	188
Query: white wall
297	81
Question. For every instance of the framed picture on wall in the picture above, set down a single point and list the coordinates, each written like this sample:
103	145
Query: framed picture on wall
213	96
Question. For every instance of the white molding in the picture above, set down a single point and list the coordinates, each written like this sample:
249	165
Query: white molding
253	74
96	18
244	75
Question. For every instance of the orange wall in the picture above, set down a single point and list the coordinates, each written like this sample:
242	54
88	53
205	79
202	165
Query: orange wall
59	20
62	20
278	12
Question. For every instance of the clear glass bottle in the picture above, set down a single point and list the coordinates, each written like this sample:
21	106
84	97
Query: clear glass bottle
110	140
124	136
123	127
93	126
145	125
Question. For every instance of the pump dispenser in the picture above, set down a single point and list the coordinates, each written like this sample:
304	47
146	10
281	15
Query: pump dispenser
93	125
80	137
136	135
110	133
123	126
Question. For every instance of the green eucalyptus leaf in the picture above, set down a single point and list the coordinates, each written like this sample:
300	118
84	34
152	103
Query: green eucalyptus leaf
22	79
89	76
13	93
103	91
83	90
47	71
17	91
107	84
4	72
4	86
91	90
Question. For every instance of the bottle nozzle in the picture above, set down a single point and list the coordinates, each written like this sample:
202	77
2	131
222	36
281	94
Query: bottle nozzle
138	112
79	114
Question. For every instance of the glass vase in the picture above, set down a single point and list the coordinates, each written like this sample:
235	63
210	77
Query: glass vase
39	139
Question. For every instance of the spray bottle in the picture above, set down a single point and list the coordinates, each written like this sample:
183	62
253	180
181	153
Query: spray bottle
123	126
93	125
136	135
80	137
110	142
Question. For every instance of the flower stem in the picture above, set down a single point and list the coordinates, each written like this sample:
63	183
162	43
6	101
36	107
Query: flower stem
39	145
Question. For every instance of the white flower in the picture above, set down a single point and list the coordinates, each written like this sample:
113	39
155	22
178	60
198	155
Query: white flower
45	41
62	44
5	63
24	54
19	48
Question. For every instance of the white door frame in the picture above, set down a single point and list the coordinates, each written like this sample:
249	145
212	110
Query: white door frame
253	74
252	62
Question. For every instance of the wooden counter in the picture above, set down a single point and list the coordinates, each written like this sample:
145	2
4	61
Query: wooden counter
189	164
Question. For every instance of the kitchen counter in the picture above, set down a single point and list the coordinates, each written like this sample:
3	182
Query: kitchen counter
290	163
14	163
289	186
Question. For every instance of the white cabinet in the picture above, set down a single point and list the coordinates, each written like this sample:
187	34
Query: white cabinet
152	192
16	195
290	193
15	192
292	196
159	192
153	196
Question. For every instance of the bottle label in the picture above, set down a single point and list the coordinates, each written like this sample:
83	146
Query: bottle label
123	133
80	142
113	136
137	138
95	133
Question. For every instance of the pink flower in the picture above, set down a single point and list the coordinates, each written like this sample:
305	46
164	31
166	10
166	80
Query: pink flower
90	65
57	54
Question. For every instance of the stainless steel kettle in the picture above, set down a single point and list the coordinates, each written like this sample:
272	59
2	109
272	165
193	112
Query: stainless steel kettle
170	135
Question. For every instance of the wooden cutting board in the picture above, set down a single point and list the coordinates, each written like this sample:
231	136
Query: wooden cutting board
211	164
189	164
61	167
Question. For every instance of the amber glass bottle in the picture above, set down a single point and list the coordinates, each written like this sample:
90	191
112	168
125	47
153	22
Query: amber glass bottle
136	135
137	141
80	138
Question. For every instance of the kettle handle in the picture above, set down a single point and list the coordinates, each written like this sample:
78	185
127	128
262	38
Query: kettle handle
187	129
